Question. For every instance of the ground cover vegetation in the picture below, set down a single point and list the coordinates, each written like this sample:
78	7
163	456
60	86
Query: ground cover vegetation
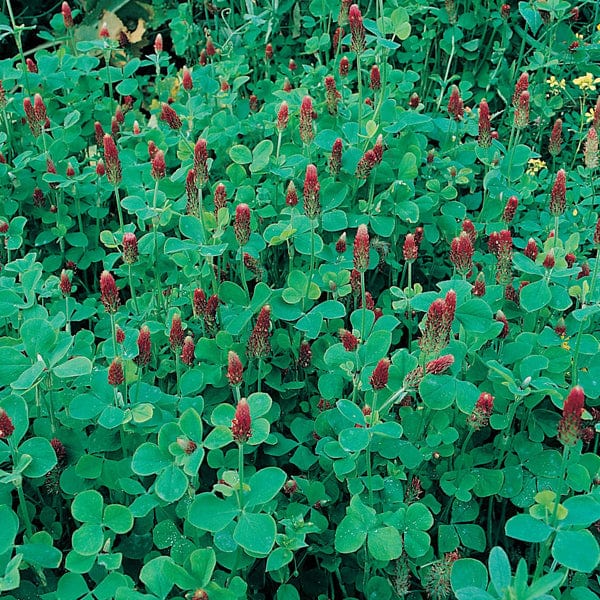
300	300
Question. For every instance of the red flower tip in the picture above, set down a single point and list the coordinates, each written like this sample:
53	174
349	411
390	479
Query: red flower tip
306	120
188	351
176	334
159	167
485	129
283	116
410	249
109	292
461	253
291	195
111	158
312	187
65	283
130	248
115	372
119	335
158	43
335	162
379	378
344	66
348	339
570	426
305	355
104	33
169	116
144	345
67	15
235	369
259	344
241	225
340	245
481	413
361	249
375	78
558	194
439	365
357	29
186	79
241	426
6	425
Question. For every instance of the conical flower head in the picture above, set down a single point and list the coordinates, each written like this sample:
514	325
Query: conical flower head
282	117
188	351
6	425
306	120
144	345
380	375
510	209
485	128
115	372
570	427
521	86
170	117
130	248
361	249
259	343
455	104
235	369
590	152
335	162
357	29
176	334
241	225
461	253
111	160
109	293
484	407
555	143
291	195
312	188
558	196
201	162
241	426
65	283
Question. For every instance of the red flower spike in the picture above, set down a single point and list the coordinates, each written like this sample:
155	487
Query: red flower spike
67	15
375	78
590	152
379	378
169	116
3	226
287	86
335	161
479	286
65	283
522	111
292	65
241	225
306	120
378	149
461	253
201	162
187	352
188	446
555	143
455	104
558	195
289	487
312	188
104	33
219	198
6	425
531	250
225	87
549	261
510	209
112	161
482	411
570	258
413	378
119	335
414	100
365	165
410	249
361	249
291	195
144	345
199	303
283	117
505	11
235	369
332	96
439	365
340	245
186	80
469	229
210	47
348	339
99	133
202	58
130	248
357	29
259	344
305	355
597	233
241	426
570	426
269	52
521	86
560	328
109	292
344	66
158	43
338	34
100	169
31	65
355	284
115	372
59	450
159	167
485	129
596	117
176	334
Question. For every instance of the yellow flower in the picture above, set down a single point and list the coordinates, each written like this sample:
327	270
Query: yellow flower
565	344
579	36
535	165
598	27
587	82
589	115
555	83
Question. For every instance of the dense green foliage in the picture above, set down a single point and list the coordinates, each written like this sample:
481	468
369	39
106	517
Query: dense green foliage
300	300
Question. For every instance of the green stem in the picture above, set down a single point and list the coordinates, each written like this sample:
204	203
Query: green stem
119	209
243	272
364	306
19	486
132	289
178	373
155	220
360	93
259	375
17	32
241	475
68	324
